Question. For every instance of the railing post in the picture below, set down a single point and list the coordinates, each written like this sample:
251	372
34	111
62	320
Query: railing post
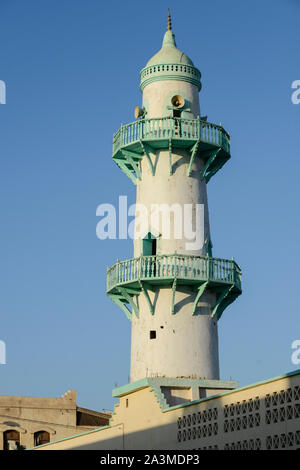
107	278
209	267
175	263
122	135
233	271
118	271
141	125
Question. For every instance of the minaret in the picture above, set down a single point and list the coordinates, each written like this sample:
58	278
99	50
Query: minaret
173	290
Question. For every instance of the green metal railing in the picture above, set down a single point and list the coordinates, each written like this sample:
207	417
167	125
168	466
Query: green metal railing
171	128
164	267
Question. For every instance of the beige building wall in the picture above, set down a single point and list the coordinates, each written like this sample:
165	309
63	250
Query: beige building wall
260	416
57	416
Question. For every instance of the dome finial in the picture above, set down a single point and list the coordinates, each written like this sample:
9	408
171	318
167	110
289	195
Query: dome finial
169	20
169	37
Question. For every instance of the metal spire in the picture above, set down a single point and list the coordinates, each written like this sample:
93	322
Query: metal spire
169	21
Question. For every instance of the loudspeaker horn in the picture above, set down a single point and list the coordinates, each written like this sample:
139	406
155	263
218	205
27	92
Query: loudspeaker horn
177	101
138	112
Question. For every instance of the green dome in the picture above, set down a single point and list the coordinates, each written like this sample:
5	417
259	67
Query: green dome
170	64
169	54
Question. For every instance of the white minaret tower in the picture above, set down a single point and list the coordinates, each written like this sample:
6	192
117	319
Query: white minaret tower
173	290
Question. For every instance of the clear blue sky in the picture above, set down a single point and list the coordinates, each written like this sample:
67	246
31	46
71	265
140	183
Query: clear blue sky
72	74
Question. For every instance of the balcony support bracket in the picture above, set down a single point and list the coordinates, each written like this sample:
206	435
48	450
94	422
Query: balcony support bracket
147	149
201	290
170	156
173	295
129	300
229	299
193	155
222	301
212	156
129	156
122	165
144	287
117	300
217	167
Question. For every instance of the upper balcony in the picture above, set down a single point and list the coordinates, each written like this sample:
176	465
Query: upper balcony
201	138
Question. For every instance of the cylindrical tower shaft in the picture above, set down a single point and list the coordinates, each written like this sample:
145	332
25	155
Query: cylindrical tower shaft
173	290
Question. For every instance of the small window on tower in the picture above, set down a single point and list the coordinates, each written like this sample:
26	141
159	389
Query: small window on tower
149	245
152	334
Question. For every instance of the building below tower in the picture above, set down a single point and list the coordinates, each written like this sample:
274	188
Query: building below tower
157	414
31	421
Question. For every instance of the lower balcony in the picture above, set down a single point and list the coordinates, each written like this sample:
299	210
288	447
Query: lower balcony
129	278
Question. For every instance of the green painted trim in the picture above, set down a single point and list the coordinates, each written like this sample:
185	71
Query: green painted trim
201	290
239	389
116	299
169	67
209	247
218	271
171	382
212	157
152	231
69	437
215	170
155	385
193	154
160	398
221	298
226	302
148	286
163	133
173	294
131	290
169	77
128	278
129	299
132	154
126	170
129	156
145	291
170	157
130	387
146	149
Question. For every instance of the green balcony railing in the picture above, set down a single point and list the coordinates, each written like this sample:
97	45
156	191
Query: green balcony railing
171	128
167	267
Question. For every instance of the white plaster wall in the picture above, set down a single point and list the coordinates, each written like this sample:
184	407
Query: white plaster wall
178	188
155	93
186	345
